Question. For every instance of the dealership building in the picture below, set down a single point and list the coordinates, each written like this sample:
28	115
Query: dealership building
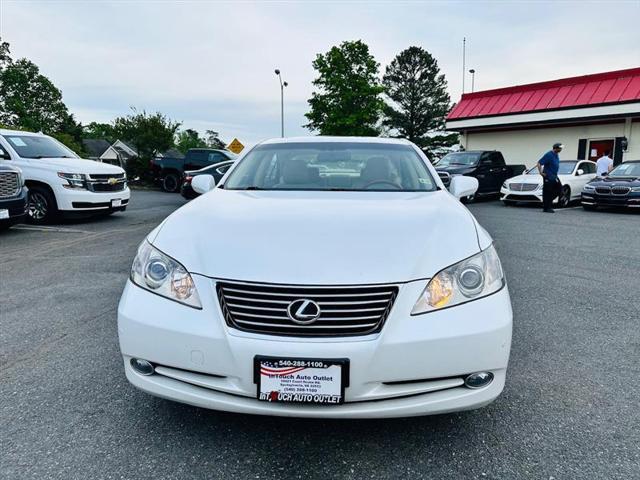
588	114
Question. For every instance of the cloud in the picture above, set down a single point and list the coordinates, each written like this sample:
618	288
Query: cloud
210	64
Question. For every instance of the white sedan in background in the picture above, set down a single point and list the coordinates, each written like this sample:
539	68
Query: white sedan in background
573	175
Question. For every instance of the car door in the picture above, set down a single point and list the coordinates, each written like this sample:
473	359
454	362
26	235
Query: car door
579	181
483	173
196	159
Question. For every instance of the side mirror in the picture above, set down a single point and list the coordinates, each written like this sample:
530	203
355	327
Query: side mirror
580	172
203	183
4	155
462	186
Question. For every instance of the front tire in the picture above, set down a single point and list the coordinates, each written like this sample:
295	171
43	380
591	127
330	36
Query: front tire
170	183
564	200
42	206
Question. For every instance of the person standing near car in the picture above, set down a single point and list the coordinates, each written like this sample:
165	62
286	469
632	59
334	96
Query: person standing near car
604	164
548	167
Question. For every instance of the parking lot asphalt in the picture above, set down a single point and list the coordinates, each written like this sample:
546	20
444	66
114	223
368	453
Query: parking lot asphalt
570	409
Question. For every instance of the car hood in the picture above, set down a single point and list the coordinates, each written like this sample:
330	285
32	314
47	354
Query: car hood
612	182
75	165
535	179
456	169
319	237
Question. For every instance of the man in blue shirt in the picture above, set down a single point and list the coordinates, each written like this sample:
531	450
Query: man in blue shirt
548	167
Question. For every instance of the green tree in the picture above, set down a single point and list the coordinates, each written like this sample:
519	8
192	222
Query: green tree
102	131
348	100
150	134
189	138
213	140
418	99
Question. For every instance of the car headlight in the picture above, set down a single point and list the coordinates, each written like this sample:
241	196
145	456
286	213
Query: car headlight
635	189
470	279
74	180
589	188
161	274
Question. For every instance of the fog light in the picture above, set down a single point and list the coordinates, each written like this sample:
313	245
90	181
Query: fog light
142	366
478	379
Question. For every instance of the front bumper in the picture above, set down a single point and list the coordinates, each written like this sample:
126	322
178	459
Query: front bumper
17	206
631	200
414	366
86	201
534	196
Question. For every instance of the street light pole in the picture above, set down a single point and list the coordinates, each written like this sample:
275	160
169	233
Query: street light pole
473	78
282	85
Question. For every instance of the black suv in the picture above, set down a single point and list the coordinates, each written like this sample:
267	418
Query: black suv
13	197
621	188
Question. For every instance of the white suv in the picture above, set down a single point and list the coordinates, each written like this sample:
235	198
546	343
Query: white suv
61	182
351	284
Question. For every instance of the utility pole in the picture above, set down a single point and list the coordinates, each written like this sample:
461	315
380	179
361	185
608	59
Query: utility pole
282	85
464	68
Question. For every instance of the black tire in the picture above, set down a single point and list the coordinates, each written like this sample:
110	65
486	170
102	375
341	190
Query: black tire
564	199
469	199
171	183
42	206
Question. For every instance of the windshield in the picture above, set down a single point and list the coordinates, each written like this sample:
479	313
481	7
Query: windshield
565	168
626	170
459	158
31	146
331	166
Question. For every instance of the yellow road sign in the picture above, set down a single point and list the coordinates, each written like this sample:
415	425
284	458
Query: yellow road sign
235	146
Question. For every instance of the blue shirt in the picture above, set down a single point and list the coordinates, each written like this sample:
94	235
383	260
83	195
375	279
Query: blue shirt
551	163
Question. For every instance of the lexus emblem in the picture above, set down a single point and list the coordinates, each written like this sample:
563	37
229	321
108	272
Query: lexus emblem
303	311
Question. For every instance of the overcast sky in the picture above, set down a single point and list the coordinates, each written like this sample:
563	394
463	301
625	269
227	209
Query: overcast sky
210	64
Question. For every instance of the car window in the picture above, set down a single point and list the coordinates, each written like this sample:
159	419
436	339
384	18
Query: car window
566	168
32	146
332	166
626	170
587	167
459	158
197	155
216	157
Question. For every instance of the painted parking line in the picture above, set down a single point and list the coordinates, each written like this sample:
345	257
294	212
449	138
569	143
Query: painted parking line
43	228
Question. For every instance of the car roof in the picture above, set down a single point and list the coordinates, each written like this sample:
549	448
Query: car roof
329	139
5	131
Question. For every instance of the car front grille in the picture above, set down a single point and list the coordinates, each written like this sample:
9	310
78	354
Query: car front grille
344	311
9	184
620	190
100	182
523	187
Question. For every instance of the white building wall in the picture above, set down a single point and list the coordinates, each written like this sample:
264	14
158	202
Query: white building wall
528	145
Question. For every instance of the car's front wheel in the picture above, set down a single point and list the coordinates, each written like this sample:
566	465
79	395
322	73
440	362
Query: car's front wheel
170	183
42	205
565	197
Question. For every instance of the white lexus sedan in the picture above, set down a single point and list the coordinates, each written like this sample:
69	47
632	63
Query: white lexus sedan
323	277
527	188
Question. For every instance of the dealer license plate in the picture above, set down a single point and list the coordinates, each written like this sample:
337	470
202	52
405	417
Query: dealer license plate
4	213
116	203
301	380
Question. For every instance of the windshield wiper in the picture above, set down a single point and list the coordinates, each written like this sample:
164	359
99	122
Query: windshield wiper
51	156
250	187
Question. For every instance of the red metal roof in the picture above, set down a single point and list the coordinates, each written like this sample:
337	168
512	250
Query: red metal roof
586	91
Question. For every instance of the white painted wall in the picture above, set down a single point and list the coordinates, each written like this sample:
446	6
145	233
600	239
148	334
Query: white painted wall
527	146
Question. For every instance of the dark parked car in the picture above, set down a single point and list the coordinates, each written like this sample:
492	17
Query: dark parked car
13	197
488	167
168	172
217	171
621	188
